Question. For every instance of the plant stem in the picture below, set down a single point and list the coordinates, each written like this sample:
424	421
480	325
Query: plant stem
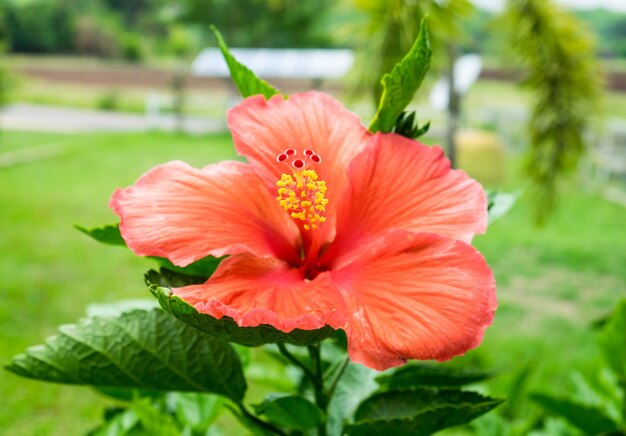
315	374
321	398
265	425
337	377
285	352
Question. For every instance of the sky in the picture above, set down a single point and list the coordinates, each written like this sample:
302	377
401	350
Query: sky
616	5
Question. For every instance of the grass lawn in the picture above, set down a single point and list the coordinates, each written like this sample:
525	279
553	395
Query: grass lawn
552	282
51	272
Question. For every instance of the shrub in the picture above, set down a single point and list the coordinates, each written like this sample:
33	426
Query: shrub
109	101
131	47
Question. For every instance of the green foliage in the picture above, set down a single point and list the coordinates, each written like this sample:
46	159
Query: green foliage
383	31
613	342
96	36
290	411
131	47
173	413
400	85
589	419
600	403
196	411
5	83
226	328
417	375
202	269
132	11
109	101
152	420
244	79
418	411
263	23
125	394
407	126
557	53
92	27
139	349
118	422
549	265
39	26
108	234
356	384
420	399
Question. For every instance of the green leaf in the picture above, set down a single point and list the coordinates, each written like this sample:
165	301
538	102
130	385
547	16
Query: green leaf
418	411
290	411
356	384
602	390
149	350
247	422
227	329
153	420
416	375
590	420
407	126
126	395
499	204
196	411
516	391
400	85
109	234
244	79
203	268
612	341
119	422
171	279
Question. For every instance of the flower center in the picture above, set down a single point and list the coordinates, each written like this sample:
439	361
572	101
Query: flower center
301	193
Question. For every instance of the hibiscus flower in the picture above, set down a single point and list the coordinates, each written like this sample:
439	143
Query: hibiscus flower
327	224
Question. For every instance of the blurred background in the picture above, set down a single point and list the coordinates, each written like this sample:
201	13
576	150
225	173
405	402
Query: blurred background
527	96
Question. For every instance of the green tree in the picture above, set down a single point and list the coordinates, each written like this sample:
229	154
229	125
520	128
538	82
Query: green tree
263	23
40	26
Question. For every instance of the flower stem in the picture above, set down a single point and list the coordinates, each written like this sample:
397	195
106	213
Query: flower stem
285	352
315	374
337	377
259	422
321	398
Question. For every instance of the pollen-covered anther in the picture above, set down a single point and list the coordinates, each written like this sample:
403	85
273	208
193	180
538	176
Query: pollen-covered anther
303	196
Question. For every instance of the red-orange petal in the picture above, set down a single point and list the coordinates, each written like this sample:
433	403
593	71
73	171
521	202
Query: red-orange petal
255	291
184	214
397	183
262	129
415	296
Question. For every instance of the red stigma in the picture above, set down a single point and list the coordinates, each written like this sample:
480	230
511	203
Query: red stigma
281	157
290	152
298	163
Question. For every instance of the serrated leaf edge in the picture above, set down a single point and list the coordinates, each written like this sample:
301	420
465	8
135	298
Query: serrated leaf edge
387	77
267	89
491	403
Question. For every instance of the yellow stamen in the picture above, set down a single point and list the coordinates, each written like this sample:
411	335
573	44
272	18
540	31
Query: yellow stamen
303	196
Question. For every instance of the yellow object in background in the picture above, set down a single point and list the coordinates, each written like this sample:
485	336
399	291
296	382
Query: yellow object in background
482	155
